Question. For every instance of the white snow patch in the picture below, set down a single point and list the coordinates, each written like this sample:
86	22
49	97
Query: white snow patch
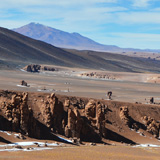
147	145
20	85
37	149
31	149
23	70
29	144
65	139
9	134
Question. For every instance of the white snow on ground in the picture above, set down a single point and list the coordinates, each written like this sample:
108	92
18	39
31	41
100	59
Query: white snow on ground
9	134
147	145
29	144
31	149
20	85
65	139
42	146
23	70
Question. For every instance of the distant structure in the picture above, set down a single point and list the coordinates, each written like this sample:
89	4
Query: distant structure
109	94
151	100
24	83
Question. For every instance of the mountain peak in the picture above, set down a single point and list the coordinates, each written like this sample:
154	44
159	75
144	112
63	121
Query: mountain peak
61	38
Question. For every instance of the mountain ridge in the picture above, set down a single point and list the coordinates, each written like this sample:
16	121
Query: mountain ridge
18	49
68	40
62	39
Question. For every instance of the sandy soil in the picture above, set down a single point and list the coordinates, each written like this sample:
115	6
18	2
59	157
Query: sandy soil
88	153
129	87
150	55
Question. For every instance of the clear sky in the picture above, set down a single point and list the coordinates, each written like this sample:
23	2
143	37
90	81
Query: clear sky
125	23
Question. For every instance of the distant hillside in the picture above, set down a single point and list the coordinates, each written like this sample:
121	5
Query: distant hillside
62	39
17	49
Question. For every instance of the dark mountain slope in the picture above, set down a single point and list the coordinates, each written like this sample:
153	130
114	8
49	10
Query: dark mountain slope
17	49
15	46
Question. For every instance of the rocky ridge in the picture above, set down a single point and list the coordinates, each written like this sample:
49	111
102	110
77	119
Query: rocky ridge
41	115
38	68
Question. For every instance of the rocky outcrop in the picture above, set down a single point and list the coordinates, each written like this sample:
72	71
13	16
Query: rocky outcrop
53	113
74	125
124	115
99	75
47	68
24	83
32	68
152	125
37	68
90	110
73	121
20	116
95	113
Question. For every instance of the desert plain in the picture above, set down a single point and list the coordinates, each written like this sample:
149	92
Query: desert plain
127	88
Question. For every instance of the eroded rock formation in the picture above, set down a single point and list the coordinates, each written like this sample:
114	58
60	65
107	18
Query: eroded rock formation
72	120
37	68
20	116
32	68
53	113
95	113
124	115
152	125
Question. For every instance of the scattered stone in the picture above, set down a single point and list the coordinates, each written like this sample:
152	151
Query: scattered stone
18	147
92	144
24	83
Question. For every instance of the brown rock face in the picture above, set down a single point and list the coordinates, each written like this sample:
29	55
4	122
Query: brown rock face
75	123
53	113
67	102
68	118
152	125
100	118
90	110
124	115
95	112
19	114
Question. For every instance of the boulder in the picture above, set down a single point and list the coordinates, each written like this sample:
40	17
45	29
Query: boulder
24	83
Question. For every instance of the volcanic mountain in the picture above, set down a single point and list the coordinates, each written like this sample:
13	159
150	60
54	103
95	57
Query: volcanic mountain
62	39
15	47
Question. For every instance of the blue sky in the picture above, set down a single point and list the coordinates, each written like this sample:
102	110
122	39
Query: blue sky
125	23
